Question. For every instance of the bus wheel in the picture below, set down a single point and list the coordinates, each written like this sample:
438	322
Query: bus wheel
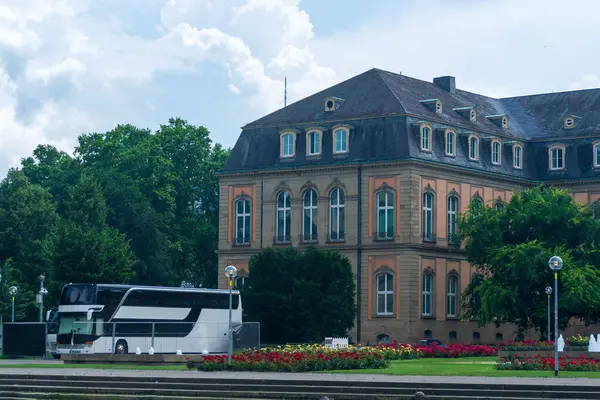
121	347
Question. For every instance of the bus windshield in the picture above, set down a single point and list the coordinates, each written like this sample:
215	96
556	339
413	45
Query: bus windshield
78	295
76	323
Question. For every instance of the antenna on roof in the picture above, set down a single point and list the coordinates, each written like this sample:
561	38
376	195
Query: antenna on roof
285	92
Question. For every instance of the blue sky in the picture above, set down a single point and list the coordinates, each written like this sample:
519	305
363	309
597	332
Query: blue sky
73	66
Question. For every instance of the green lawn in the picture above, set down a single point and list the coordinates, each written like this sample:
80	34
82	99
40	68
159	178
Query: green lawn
477	366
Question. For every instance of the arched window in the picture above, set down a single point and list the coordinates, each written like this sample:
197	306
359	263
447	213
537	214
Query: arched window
499	206
426	138
428	334
336	214
452	335
428	217
450	143
476	336
452	216
385	294
284	216
517	156
452	296
427	295
309	216
385	215
242	221
476	202
499	337
496	152
474	148
287	145
383	338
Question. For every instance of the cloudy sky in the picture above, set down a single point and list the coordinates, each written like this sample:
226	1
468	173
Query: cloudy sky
74	66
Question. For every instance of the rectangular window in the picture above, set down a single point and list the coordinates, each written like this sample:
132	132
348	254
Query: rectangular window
425	138
598	155
473	144
341	141
450	144
314	143
385	294
287	145
495	153
557	158
426	300
517	157
451	296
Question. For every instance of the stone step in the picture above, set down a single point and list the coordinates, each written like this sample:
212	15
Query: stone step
312	388
543	386
288	393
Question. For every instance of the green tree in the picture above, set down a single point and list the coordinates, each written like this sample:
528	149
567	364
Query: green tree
300	296
86	249
27	226
511	248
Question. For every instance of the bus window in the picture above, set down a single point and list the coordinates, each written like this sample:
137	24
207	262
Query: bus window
100	326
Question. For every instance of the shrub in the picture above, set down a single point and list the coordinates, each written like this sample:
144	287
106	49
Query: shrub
578	341
457	350
540	363
527	345
304	358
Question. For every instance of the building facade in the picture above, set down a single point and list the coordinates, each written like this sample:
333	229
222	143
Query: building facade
379	167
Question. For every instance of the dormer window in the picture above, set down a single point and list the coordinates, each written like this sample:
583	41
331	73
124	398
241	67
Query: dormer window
467	112
517	156
570	121
500	120
433	105
313	142
287	144
450	142
473	148
340	140
496	152
557	157
333	103
425	137
597	155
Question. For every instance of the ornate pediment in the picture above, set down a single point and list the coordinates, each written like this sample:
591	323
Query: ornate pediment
336	183
282	187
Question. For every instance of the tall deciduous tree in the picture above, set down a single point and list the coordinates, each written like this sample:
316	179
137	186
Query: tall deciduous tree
27	227
300	296
511	248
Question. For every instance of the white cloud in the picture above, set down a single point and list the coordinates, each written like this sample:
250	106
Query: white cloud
74	66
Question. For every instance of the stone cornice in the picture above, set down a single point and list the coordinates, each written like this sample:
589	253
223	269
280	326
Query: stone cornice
380	165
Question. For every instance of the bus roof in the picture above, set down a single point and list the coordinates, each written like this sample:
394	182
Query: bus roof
148	287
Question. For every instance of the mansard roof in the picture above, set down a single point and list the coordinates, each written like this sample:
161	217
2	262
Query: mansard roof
382	109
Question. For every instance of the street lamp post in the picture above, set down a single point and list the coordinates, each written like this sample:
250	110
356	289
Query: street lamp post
555	263
13	292
230	273
548	292
40	296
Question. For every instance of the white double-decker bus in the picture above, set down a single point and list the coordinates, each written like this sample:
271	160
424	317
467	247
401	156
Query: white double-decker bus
102	319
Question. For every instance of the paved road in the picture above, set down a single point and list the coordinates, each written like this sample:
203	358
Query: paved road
296	376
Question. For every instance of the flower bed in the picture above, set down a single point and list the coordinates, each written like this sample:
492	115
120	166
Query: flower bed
305	358
457	350
578	341
540	363
526	345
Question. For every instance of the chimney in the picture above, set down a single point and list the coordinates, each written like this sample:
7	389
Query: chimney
448	83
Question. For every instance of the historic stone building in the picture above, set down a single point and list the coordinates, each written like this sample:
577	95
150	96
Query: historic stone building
379	166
